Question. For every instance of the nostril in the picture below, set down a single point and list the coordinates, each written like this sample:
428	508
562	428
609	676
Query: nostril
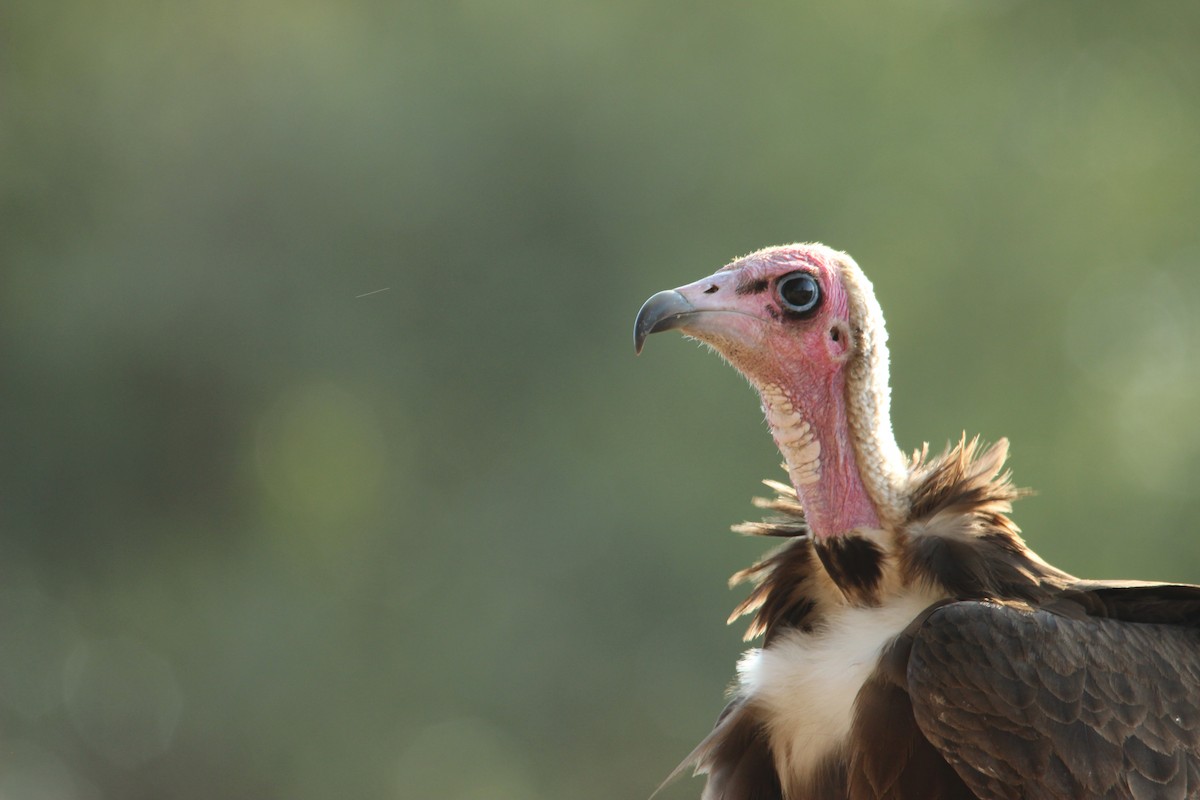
712	287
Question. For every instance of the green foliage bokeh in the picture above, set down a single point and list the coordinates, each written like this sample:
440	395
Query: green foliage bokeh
327	469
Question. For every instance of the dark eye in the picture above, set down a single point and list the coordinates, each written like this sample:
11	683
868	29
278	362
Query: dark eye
800	293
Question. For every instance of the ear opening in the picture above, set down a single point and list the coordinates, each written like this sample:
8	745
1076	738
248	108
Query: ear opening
839	341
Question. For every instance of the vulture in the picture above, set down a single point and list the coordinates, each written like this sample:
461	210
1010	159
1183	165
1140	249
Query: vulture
913	647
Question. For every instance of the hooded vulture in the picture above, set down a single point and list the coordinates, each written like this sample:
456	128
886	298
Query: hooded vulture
913	646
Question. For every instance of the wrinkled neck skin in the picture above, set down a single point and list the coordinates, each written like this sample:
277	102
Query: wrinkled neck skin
811	429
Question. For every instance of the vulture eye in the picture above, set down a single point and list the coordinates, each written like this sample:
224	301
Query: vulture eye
800	293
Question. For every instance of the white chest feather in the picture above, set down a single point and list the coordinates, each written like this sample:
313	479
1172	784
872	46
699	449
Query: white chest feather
805	684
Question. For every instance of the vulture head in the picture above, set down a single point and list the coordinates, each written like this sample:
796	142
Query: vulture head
801	322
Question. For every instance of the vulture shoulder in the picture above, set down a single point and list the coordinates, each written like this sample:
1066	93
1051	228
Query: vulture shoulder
1093	695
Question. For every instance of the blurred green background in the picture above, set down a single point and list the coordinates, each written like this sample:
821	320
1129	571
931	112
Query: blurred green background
266	535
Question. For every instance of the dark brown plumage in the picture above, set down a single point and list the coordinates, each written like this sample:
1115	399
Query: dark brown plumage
990	692
913	646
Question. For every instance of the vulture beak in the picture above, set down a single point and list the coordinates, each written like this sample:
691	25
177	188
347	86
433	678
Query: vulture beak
662	312
708	306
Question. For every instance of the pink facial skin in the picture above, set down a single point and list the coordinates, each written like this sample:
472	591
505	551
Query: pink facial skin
798	366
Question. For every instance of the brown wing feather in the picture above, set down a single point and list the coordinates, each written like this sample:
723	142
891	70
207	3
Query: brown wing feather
1026	703
1006	725
892	760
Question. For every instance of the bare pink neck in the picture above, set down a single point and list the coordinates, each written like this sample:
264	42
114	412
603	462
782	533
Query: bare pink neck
812	432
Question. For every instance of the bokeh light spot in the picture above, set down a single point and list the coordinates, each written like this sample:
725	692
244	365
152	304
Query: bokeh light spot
1137	343
123	699
320	455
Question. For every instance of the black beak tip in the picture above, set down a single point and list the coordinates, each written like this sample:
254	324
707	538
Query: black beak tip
663	311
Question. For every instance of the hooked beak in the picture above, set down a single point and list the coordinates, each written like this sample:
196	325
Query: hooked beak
662	312
713	310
